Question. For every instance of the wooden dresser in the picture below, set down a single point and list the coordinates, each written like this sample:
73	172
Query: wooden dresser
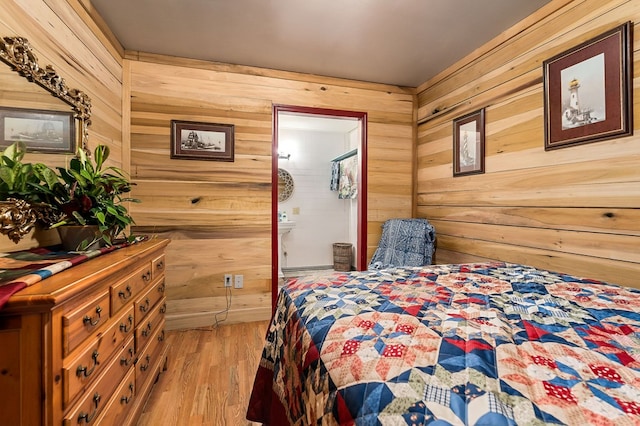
85	346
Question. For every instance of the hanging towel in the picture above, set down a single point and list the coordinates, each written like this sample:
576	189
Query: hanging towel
335	175
348	183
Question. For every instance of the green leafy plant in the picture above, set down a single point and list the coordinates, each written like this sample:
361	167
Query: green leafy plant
31	182
24	193
88	193
85	193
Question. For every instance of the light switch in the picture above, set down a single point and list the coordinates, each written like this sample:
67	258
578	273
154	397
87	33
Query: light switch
239	281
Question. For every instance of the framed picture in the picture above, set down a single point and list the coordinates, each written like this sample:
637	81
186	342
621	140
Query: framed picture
201	141
587	91
468	144
40	130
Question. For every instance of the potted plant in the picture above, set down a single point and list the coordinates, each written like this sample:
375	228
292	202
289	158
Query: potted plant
88	194
24	193
23	180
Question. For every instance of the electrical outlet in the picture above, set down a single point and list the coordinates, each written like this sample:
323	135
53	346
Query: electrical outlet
227	280
239	281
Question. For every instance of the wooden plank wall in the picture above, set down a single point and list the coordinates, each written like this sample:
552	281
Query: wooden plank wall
575	209
64	35
218	214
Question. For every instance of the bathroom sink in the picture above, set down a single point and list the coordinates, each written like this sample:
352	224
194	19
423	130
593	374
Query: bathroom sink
286	226
283	228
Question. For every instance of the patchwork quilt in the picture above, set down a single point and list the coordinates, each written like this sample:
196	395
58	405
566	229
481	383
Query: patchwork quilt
470	344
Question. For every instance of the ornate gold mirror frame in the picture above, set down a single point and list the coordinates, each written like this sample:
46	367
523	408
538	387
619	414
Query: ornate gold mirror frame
18	217
18	54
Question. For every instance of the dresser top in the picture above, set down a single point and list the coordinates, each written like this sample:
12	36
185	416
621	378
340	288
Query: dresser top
63	285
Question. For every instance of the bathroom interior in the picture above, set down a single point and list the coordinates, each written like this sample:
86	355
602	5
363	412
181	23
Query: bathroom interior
313	216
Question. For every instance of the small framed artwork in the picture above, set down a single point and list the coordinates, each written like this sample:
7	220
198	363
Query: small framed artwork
202	141
468	144
587	91
40	130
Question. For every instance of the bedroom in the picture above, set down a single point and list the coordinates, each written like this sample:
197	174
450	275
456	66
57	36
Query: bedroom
574	209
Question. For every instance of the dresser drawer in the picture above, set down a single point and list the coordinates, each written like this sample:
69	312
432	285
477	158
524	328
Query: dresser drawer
80	371
98	394
158	266
127	290
81	321
117	409
148	300
148	360
147	328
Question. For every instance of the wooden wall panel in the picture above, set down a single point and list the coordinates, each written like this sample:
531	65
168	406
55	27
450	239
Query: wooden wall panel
575	209
218	214
64	36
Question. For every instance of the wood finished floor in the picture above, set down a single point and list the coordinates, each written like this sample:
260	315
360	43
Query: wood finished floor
209	377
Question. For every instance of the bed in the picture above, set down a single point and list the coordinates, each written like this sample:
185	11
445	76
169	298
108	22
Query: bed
478	344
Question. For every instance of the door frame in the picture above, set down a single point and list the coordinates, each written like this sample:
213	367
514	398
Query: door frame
361	253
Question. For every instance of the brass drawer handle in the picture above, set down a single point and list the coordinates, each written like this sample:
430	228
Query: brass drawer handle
144	367
163	309
86	371
144	307
125	361
123	327
146	277
88	320
161	287
161	336
86	417
122	295
126	399
146	331
160	265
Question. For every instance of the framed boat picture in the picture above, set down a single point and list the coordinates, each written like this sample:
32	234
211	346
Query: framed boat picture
202	141
40	130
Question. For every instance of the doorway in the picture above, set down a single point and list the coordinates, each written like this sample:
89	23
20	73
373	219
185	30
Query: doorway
285	113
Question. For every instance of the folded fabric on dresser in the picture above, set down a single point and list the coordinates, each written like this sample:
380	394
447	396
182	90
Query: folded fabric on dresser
24	268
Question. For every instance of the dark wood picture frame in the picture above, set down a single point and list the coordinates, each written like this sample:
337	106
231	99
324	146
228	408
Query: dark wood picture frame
580	104
202	141
40	130
468	144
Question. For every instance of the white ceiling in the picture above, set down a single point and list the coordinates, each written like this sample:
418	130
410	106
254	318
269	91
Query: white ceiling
399	42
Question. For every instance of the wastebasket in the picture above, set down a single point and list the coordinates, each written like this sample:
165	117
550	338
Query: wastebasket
342	256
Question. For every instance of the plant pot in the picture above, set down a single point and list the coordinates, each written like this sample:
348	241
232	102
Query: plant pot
80	238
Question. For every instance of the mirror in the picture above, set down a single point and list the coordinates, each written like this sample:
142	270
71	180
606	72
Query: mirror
18	92
45	123
285	185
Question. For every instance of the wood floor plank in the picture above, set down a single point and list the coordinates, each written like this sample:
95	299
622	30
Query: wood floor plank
209	377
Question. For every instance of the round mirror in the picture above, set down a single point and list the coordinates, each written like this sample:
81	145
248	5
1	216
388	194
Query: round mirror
285	185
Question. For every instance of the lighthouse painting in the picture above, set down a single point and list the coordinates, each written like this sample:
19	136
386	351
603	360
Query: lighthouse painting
468	144
588	90
583	93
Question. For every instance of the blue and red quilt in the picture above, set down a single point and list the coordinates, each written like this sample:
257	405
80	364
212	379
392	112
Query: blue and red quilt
471	344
